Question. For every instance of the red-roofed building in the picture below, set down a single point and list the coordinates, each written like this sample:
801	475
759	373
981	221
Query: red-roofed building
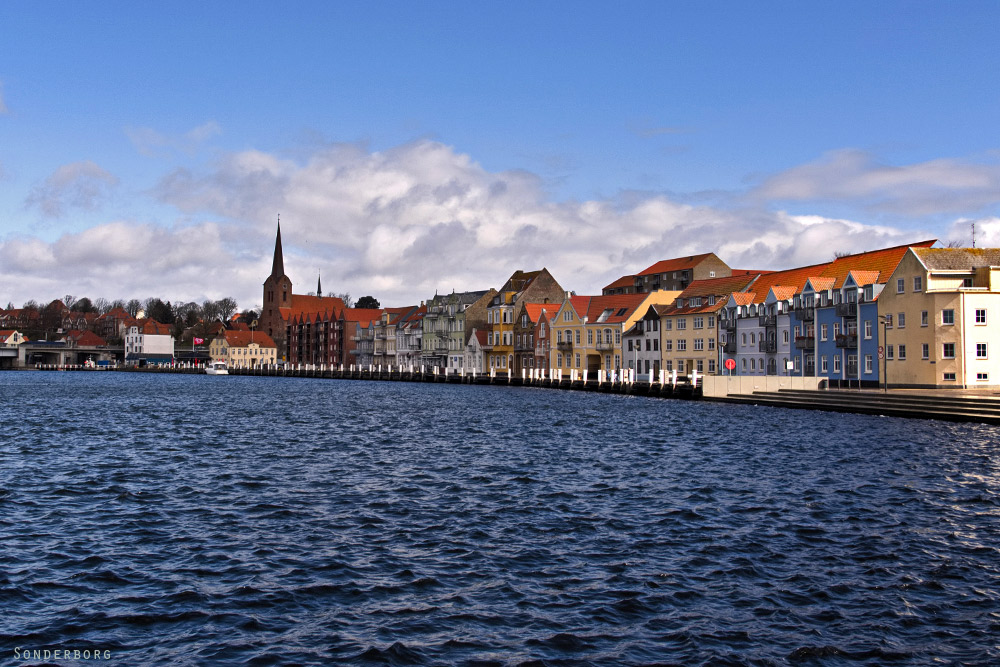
243	349
303	327
148	341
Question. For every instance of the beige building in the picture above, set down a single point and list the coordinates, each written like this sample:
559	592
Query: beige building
243	349
938	319
588	329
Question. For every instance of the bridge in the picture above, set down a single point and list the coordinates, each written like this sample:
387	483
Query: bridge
55	354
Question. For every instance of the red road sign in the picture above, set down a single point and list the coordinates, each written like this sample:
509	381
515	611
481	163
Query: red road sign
881	352
730	364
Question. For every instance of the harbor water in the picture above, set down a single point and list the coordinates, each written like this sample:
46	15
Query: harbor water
194	520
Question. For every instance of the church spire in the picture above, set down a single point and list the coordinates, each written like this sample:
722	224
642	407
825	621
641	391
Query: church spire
278	267
319	284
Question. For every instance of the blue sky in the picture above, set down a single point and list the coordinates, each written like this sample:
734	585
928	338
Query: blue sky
146	150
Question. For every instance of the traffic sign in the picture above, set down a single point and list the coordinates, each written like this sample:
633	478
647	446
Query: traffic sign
730	364
881	352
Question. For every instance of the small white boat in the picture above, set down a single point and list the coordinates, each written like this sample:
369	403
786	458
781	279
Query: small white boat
217	368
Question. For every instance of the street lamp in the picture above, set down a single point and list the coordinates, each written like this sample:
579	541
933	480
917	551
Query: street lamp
884	319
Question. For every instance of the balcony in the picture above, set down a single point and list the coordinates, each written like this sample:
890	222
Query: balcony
768	320
768	346
805	314
847	340
805	342
564	347
729	347
728	325
847	310
605	347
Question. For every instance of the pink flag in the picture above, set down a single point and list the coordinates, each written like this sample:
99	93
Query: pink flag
199	341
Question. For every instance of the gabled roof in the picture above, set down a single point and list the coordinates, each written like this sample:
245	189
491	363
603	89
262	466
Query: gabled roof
82	338
238	338
862	278
363	316
607	308
883	261
303	303
152	327
624	281
676	264
783	292
957	259
520	280
534	310
719	286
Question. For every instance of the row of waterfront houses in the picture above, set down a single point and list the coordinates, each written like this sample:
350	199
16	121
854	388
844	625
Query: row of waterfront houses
910	315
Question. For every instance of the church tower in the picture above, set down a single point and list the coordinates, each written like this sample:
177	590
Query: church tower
277	295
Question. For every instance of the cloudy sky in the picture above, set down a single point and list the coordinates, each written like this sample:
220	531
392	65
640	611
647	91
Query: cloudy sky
147	149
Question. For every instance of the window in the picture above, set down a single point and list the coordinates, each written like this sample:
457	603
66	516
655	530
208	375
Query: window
577	336
981	351
923	318
649	345
967	282
699	344
901	320
558	338
949	377
567	317
656	345
682	345
948	316
711	321
744	364
577	359
711	343
822	364
753	363
590	337
630	344
753	338
868	363
888	321
868	329
889	351
558	359
668	345
711	365
784	336
681	323
980	316
902	353
925	351
699	323
900	285
948	350
667	325
836	329
982	377
618	337
836	363
823	331
744	339
918	283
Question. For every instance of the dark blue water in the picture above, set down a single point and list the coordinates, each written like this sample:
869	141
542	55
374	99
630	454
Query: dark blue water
196	520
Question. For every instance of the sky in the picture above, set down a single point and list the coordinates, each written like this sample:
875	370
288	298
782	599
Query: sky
414	148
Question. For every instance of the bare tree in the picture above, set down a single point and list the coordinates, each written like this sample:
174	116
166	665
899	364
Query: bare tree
345	297
227	306
70	301
102	305
132	307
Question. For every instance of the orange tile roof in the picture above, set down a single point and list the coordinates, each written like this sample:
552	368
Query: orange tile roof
152	327
534	310
743	298
883	261
783	292
624	281
363	316
718	286
236	338
85	338
675	264
592	307
303	303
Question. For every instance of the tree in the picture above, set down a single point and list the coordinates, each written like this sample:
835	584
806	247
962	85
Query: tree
227	306
345	297
159	311
101	305
132	307
84	305
70	301
367	302
248	316
209	311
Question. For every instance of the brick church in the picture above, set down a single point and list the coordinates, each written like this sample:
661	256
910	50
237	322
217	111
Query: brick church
306	329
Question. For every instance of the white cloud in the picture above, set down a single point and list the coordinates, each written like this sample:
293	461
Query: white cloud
857	177
151	143
402	224
78	185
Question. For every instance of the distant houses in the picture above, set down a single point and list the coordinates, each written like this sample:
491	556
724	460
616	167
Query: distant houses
907	316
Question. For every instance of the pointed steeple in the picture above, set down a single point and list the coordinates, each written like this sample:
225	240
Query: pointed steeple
278	267
319	284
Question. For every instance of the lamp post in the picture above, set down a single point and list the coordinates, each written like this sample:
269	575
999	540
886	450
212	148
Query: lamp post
884	319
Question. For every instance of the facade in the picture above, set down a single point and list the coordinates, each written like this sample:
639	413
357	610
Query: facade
522	287
244	349
303	327
641	345
11	338
689	332
386	327
588	329
676	274
938	316
449	320
475	351
409	338
148	341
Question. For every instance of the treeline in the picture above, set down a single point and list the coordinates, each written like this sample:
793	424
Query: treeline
188	313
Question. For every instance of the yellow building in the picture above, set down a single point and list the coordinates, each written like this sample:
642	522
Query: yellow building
243	349
522	287
937	319
588	329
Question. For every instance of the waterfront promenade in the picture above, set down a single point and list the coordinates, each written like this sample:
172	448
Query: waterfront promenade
958	405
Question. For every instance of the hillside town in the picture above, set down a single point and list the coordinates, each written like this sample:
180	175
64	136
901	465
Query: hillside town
912	315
